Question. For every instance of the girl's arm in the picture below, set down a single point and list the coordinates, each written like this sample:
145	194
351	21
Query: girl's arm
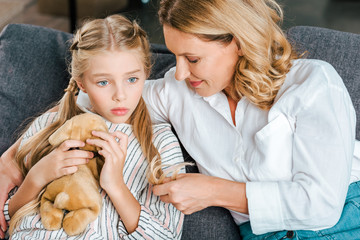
61	161
146	215
111	178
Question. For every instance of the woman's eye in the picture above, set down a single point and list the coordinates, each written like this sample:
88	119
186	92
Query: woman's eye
192	59
103	83
132	80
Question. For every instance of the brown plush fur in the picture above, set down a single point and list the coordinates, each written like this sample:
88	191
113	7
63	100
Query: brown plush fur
77	193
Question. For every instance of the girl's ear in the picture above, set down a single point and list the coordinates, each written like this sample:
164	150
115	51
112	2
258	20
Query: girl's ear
80	85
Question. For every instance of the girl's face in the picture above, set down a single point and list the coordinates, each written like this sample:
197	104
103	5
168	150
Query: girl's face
114	82
207	66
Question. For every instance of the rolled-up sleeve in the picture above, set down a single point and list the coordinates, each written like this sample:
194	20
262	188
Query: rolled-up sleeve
322	152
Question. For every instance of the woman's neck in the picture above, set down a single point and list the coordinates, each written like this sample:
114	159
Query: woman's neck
233	101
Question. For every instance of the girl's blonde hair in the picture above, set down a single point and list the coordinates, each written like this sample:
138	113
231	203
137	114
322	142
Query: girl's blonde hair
267	54
114	33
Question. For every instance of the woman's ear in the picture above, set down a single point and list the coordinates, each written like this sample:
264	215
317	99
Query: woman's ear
239	50
81	85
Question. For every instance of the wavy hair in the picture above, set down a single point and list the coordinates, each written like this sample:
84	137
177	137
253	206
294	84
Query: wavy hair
254	24
96	36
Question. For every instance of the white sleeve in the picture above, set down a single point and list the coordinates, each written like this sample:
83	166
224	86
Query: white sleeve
159	220
156	94
323	146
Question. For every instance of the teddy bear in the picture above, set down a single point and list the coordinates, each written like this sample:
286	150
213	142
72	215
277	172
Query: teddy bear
73	201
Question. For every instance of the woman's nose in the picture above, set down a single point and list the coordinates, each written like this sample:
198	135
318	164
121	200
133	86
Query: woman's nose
182	69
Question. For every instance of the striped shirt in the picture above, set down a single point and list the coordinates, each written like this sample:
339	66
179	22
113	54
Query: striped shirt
158	220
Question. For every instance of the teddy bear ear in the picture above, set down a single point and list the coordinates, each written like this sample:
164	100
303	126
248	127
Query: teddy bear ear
61	134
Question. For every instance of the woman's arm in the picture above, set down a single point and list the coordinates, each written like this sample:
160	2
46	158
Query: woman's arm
61	161
193	192
10	176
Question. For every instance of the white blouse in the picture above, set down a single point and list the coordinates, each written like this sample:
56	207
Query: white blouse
296	159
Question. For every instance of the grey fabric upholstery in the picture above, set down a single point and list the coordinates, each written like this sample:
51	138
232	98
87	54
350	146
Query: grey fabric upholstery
33	74
340	49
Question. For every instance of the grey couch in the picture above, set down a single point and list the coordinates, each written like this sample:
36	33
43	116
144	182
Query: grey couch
33	74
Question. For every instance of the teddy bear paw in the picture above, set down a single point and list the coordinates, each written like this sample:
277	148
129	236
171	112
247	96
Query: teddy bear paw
75	222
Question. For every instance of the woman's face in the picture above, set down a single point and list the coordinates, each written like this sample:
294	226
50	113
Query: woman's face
208	67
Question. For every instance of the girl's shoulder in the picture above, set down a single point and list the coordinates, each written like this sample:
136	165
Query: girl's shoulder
163	133
41	122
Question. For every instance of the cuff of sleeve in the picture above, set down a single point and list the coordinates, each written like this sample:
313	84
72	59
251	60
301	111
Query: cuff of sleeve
6	211
264	207
140	231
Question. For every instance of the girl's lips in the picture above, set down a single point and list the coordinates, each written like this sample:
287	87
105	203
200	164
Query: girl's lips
119	111
195	83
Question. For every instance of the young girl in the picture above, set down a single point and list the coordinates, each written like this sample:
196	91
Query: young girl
110	62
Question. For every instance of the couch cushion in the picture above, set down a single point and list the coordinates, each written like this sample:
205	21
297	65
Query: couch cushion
340	49
33	74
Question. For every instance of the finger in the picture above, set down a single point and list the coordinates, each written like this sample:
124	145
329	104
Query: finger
66	145
2	234
161	189
123	139
3	225
75	162
78	154
103	144
165	198
68	170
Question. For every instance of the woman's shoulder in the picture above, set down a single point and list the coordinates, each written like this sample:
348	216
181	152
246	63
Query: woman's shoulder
310	69
308	76
307	80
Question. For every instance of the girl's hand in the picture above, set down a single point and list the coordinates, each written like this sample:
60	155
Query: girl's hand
114	153
61	161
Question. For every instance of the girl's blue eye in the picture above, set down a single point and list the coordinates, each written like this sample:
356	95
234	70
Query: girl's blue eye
132	80
103	83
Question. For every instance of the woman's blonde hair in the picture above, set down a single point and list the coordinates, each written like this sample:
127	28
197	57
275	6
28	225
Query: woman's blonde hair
114	33
267	54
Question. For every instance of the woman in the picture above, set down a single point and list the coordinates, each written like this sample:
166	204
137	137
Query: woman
269	132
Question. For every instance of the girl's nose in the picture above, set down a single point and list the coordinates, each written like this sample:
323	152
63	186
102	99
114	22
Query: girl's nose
119	94
182	69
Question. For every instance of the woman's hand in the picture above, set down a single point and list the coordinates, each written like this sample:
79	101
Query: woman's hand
192	192
114	153
189	193
10	176
61	161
